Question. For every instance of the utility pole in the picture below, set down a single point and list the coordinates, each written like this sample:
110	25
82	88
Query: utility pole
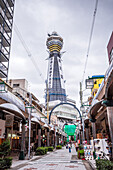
81	101
30	109
47	91
81	94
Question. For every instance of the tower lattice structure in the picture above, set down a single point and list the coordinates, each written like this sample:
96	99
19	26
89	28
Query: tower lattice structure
55	80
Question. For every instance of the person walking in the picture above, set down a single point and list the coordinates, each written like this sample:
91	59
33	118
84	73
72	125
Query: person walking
69	146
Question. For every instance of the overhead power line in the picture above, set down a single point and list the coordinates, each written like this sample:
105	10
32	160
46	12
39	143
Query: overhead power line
27	50
89	44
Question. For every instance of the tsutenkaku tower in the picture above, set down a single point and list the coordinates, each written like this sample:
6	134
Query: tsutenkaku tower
55	80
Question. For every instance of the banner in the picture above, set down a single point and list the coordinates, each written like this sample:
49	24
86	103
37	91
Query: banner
2	128
70	129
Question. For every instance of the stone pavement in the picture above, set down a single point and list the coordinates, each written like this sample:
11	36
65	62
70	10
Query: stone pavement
58	160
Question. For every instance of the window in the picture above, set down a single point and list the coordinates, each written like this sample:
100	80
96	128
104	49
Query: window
111	55
16	85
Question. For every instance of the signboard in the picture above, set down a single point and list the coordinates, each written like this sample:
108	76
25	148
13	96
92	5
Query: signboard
89	83
2	128
9	120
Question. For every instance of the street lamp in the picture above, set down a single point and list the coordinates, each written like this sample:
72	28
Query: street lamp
29	111
82	109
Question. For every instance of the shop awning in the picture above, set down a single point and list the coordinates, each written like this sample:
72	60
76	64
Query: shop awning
11	98
12	109
34	119
95	109
35	115
45	125
52	129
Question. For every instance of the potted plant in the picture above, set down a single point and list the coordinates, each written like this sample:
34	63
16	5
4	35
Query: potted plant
5	162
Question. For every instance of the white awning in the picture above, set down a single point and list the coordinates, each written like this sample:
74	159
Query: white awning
11	108
45	125
52	129
94	108
34	119
11	98
35	115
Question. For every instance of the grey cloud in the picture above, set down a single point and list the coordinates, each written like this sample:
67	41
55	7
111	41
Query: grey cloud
72	20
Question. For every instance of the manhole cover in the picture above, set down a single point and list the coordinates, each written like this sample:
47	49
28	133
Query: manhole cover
51	164
72	166
73	157
29	168
73	161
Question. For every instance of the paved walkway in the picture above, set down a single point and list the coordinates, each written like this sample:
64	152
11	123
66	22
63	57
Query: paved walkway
58	160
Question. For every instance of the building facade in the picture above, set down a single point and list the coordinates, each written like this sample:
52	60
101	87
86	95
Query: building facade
99	126
6	22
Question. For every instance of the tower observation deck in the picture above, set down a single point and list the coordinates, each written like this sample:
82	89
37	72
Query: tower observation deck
55	75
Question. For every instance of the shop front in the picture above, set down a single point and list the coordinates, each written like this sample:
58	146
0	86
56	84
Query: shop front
11	119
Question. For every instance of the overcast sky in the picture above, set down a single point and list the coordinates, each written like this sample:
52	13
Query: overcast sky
72	19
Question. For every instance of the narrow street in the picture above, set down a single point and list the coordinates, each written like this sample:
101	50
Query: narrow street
58	160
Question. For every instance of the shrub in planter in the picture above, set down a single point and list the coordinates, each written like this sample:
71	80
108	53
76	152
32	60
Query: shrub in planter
58	147
2	163
80	154
50	148
4	148
102	164
40	151
5	162
8	161
46	149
